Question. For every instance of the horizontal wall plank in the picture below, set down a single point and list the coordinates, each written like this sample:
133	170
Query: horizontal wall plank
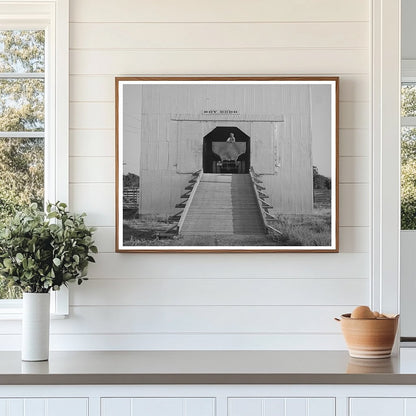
99	88
354	169
354	88
354	115
92	116
194	320
96	199
104	238
146	342
352	239
217	292
92	88
354	200
87	115
96	143
354	142
218	35
230	266
250	61
91	169
218	11
200	319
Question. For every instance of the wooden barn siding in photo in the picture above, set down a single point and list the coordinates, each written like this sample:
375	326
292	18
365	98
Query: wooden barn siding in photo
132	122
174	126
203	301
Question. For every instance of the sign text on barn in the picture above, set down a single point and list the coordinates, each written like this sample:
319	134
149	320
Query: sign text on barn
223	112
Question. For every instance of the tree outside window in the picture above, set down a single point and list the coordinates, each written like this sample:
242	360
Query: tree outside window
22	124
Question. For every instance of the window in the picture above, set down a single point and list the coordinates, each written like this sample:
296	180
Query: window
22	124
408	153
33	112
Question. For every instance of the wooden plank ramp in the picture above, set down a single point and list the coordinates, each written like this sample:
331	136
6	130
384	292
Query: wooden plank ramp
224	204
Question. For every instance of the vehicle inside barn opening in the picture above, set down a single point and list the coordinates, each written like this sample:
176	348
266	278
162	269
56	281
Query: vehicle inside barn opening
226	150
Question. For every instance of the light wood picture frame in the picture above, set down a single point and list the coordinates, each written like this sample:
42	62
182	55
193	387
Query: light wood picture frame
227	164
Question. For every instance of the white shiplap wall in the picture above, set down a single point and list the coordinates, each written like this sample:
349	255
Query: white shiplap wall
214	301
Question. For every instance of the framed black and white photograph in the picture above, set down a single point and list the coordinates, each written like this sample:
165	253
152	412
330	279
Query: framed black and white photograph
227	164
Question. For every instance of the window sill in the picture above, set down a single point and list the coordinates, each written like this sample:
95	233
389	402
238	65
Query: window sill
17	316
11	309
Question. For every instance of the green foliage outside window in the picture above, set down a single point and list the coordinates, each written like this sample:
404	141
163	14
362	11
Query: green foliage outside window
21	110
408	160
408	179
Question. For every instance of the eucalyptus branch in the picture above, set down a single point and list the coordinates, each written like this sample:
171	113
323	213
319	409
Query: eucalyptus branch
43	251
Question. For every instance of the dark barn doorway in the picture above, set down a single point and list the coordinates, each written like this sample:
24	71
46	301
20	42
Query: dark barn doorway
226	150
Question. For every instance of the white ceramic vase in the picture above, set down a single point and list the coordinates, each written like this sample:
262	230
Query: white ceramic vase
35	326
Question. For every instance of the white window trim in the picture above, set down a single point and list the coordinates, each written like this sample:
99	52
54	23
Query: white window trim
385	207
53	16
408	75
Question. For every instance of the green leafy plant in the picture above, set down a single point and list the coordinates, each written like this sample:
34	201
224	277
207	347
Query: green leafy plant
43	251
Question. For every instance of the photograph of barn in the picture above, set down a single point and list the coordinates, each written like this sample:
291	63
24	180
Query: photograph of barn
227	164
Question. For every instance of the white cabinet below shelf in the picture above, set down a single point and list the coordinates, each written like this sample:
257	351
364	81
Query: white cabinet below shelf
281	406
155	406
44	407
391	406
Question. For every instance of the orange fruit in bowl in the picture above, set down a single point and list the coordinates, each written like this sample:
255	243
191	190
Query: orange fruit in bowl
362	312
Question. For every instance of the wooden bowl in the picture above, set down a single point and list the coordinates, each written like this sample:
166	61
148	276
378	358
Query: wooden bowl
369	338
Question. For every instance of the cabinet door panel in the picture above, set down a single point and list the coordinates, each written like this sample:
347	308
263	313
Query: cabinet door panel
35	407
410	407
274	406
155	406
16	407
67	407
199	407
321	407
3	407
245	407
11	407
296	407
116	407
377	407
44	407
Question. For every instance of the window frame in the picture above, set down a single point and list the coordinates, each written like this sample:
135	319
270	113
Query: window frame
408	75
385	156
53	17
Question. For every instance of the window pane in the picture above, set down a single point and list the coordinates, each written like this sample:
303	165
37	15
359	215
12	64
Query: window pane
21	182
408	100
408	145
22	105
21	173
22	51
22	108
9	292
408	178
